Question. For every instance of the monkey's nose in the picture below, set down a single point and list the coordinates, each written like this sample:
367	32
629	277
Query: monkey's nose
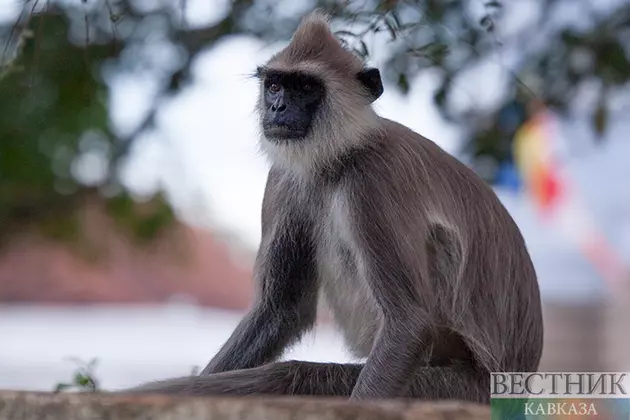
278	108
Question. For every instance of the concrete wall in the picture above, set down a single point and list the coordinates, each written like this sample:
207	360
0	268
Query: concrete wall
587	337
573	338
617	331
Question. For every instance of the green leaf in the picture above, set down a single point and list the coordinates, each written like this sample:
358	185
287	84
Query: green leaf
395	18
364	49
346	33
81	379
600	119
391	29
403	83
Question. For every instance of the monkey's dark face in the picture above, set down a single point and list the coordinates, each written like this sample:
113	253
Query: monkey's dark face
291	101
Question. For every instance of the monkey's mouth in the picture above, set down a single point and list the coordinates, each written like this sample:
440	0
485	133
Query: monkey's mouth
282	132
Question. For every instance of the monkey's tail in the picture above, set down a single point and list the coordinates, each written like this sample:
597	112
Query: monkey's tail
322	379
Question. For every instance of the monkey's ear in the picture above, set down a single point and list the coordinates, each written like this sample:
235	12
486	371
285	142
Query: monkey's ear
260	72
371	79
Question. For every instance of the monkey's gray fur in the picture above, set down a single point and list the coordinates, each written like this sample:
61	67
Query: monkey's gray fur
427	275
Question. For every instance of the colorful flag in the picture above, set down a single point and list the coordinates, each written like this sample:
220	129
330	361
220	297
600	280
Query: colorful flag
555	197
534	158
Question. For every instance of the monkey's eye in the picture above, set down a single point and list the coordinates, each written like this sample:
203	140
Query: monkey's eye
274	88
307	87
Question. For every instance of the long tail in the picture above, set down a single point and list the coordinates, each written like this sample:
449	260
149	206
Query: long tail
322	379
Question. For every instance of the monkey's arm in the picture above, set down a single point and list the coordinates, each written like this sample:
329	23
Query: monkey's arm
285	305
393	264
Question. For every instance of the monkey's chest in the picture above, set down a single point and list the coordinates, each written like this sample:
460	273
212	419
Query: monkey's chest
344	290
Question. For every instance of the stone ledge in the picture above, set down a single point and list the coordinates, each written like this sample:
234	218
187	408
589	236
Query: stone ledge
34	406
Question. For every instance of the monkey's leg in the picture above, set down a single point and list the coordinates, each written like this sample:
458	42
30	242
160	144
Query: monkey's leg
322	379
459	382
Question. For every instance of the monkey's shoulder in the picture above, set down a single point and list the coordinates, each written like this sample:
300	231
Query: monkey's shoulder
386	158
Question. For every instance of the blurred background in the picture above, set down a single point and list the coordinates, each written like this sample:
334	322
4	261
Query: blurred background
131	180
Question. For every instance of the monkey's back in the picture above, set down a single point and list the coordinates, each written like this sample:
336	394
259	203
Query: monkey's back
478	260
497	295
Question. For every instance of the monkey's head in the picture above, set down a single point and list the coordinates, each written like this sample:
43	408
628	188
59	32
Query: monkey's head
315	97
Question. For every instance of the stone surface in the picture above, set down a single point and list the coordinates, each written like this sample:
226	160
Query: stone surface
35	406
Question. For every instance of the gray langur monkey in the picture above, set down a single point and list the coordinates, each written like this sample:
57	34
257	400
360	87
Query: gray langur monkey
426	274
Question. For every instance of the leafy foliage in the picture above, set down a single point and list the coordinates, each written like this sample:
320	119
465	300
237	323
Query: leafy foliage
54	98
550	60
83	378
55	113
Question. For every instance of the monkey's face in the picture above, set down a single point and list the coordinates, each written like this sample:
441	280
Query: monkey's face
290	103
